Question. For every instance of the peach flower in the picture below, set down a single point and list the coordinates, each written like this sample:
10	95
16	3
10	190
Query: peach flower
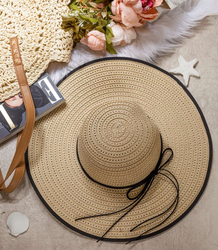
128	16
115	7
122	34
134	13
137	6
95	40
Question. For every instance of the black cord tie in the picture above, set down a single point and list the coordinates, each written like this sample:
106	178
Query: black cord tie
146	184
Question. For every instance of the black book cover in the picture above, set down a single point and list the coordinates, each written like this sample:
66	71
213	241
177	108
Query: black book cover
46	97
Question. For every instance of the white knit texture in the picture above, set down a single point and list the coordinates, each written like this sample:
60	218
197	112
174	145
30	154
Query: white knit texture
37	23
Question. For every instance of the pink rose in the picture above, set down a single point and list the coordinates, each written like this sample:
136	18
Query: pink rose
137	6
149	4
125	13
115	7
95	40
157	3
129	1
128	16
149	15
149	11
122	34
134	13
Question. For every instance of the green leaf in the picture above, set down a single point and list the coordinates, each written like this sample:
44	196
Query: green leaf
103	22
76	29
72	2
78	34
67	19
108	39
87	26
89	19
110	48
68	23
108	10
100	28
75	7
109	31
99	1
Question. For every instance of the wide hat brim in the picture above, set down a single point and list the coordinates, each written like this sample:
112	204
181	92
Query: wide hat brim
58	179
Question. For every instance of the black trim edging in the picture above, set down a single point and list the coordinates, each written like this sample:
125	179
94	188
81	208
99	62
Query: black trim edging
194	202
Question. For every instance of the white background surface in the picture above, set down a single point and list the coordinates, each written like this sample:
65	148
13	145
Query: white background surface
197	231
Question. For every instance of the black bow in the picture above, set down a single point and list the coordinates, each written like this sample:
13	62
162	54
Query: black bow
147	182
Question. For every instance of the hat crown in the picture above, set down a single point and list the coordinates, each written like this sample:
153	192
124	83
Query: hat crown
118	144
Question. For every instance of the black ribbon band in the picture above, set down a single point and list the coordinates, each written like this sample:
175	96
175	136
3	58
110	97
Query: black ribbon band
146	184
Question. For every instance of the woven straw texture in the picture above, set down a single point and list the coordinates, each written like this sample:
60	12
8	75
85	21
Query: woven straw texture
65	189
38	27
118	141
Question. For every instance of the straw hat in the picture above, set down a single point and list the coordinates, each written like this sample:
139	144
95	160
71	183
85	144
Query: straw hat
37	24
126	157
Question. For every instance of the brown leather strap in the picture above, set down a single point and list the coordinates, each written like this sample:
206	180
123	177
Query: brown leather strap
18	164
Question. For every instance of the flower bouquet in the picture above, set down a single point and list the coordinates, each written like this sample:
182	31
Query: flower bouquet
103	24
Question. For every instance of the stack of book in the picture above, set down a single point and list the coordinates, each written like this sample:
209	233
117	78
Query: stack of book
46	97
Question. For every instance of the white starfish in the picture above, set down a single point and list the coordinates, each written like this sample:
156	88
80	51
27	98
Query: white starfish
186	69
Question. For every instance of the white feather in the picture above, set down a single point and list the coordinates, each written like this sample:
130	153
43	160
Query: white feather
153	40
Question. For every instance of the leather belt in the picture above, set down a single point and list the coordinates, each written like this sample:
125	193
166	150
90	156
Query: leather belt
18	163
